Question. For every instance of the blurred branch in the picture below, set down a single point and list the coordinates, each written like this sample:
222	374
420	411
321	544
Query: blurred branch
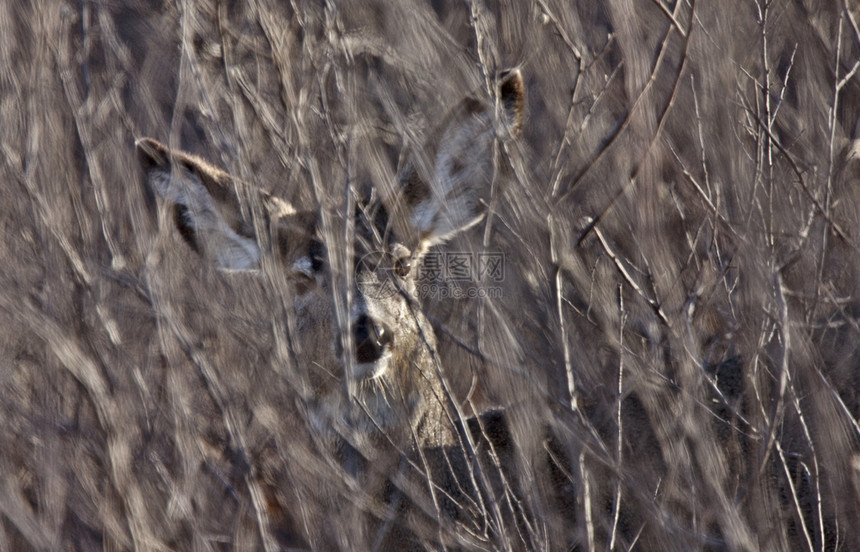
775	417
561	32
655	306
798	508
562	192
785	82
619	397
567	140
585	480
802	182
82	112
487	52
671	17
660	122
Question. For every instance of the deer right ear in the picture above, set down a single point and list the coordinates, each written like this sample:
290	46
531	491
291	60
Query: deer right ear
439	201
512	97
205	207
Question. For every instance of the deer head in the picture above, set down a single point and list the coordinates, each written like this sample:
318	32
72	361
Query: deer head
387	360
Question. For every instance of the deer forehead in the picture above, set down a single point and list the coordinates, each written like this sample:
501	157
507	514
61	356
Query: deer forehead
301	243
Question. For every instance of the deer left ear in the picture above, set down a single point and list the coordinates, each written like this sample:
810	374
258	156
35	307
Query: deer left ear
205	206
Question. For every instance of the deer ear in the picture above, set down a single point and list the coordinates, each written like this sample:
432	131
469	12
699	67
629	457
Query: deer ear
450	196
512	98
205	207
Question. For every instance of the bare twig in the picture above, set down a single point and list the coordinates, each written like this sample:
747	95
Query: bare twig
619	443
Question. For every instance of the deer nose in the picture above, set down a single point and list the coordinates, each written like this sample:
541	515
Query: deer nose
371	339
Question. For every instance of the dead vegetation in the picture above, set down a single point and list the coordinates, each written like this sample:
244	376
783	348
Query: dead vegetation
677	331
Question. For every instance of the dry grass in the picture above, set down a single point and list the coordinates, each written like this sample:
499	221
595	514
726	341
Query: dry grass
680	304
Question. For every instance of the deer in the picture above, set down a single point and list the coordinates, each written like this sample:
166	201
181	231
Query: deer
379	381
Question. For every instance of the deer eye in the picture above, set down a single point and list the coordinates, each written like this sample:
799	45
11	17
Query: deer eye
310	264
402	260
316	255
402	266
